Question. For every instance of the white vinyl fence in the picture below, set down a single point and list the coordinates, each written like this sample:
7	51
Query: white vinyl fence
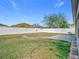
14	30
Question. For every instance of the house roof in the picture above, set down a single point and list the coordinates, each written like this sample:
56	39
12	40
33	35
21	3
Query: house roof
74	8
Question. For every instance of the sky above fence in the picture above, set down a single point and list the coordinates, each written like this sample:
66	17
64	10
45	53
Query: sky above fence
32	11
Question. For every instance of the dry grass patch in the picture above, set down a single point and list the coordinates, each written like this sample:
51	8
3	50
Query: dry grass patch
29	35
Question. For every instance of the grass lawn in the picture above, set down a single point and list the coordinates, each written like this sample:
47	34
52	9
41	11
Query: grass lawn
17	47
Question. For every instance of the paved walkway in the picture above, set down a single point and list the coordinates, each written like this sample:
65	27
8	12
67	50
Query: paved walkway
67	37
73	51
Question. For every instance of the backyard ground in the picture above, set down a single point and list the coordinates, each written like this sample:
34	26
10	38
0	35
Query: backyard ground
33	46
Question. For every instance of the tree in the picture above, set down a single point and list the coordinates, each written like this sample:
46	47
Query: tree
37	26
56	21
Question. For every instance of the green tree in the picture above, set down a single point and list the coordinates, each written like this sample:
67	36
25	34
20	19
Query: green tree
37	26
56	21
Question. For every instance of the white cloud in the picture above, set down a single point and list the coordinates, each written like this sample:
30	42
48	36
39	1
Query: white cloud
56	5
13	4
59	3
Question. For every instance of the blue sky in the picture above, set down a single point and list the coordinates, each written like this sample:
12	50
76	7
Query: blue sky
32	11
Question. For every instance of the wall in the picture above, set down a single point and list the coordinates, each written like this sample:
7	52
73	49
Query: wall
6	30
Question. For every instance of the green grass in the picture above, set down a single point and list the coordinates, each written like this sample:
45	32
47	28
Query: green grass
21	48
